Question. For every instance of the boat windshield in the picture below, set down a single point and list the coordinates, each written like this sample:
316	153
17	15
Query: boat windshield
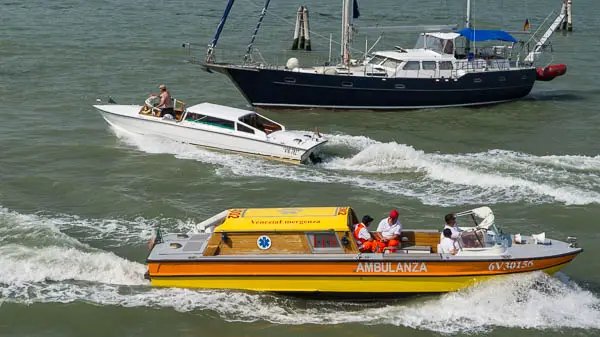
259	122
481	238
436	44
376	60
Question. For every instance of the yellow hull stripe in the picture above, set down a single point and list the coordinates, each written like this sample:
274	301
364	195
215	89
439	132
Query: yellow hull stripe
347	284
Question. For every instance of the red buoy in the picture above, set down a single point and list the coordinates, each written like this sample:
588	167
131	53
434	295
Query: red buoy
550	72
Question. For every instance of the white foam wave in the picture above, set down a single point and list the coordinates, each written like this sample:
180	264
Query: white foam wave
438	179
354	142
525	301
45	228
21	264
532	301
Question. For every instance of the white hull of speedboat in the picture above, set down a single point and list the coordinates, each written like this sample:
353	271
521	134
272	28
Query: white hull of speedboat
288	146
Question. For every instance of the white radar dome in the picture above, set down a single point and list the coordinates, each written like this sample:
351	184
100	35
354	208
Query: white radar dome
292	63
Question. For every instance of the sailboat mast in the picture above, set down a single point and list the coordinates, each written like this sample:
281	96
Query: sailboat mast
468	25
346	31
468	18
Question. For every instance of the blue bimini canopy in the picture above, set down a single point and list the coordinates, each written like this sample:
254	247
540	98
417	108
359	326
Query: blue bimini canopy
486	35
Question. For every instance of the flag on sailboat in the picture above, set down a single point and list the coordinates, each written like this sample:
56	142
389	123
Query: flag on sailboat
355	11
526	26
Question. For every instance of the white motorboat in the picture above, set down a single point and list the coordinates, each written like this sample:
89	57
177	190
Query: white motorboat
219	127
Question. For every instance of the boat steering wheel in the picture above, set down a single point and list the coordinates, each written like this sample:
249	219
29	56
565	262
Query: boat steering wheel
151	102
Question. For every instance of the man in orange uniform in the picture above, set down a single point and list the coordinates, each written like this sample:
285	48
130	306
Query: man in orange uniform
363	237
388	232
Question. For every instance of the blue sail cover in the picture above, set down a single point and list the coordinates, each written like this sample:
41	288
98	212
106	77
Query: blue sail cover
486	35
355	12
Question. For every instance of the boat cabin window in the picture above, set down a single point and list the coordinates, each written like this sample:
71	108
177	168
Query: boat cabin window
446	65
428	65
376	60
324	242
259	122
449	47
435	44
412	65
420	44
243	128
214	121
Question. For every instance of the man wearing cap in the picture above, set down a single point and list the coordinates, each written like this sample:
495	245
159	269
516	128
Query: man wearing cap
388	231
363	237
166	102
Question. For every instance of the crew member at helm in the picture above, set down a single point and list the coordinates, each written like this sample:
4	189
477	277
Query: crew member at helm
166	102
365	241
450	220
388	232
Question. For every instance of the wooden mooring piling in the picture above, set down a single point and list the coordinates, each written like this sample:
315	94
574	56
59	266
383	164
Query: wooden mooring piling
302	30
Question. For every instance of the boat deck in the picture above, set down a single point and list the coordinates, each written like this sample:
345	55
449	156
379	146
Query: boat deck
184	247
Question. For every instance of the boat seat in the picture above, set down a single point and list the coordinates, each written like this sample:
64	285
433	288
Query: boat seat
178	108
178	105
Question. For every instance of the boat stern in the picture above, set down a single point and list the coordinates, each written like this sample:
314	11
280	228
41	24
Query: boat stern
304	144
171	248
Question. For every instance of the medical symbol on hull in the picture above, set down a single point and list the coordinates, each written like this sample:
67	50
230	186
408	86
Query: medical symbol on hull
263	242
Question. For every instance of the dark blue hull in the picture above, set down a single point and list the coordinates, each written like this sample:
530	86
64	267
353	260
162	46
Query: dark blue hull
282	88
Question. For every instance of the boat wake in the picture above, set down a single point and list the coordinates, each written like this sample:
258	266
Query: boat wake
495	176
60	268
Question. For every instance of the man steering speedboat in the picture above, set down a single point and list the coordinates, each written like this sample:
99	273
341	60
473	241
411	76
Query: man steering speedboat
164	107
166	102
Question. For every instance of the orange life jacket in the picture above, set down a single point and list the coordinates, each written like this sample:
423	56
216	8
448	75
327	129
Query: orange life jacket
357	230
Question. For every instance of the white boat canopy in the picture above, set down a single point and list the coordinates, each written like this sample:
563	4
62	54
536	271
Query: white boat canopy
219	111
484	213
444	36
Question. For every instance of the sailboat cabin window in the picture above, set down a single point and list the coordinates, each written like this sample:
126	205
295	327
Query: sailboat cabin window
446	65
428	65
412	65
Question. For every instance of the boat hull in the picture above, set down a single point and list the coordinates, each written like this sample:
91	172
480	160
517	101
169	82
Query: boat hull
173	130
349	286
283	88
348	278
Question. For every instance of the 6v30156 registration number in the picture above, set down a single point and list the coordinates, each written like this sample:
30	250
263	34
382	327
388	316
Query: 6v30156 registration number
511	265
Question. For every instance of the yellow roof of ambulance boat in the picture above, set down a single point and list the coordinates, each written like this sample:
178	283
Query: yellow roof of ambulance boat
287	219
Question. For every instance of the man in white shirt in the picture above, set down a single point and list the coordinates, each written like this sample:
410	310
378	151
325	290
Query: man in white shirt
388	232
447	245
451	224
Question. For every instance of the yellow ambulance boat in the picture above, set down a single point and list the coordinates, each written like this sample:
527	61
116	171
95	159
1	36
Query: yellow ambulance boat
312	251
